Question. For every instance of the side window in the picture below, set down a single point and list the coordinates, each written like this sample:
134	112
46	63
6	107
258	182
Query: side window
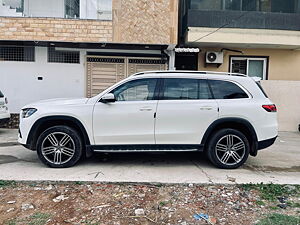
226	90
188	89
136	90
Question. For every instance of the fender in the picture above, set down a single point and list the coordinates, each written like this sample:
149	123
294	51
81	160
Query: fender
233	123
32	136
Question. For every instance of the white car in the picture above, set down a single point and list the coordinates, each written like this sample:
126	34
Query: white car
4	112
228	116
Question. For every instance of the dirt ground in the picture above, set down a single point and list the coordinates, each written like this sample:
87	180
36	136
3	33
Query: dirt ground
96	203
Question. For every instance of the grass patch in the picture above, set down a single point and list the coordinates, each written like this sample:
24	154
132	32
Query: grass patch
272	191
12	222
259	202
279	219
6	183
39	219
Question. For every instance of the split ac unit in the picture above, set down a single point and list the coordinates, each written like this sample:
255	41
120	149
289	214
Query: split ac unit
214	57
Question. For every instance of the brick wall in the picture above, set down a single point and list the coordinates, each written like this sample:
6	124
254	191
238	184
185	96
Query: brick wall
55	29
134	21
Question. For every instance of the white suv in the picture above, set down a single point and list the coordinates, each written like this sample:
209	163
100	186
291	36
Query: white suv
4	112
228	116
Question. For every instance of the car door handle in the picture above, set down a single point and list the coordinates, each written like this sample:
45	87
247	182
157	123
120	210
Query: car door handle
206	108
145	109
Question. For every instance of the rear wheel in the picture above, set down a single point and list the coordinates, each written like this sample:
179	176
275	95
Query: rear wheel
228	149
59	147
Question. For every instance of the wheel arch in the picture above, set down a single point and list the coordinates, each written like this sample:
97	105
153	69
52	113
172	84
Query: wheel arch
239	124
49	121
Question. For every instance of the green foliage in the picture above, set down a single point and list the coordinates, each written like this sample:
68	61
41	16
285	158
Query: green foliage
272	191
6	183
39	219
279	219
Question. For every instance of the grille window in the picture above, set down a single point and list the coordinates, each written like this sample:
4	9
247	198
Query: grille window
17	53
55	56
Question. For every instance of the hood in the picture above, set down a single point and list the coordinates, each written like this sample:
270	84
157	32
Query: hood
58	101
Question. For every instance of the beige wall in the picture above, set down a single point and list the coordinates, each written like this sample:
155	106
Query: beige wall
283	64
134	21
286	96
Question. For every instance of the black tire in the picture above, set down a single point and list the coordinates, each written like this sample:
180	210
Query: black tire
215	155
75	144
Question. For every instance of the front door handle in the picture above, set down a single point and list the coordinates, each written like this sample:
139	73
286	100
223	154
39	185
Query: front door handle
206	108
145	109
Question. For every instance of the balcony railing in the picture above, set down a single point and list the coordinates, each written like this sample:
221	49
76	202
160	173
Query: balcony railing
279	6
70	9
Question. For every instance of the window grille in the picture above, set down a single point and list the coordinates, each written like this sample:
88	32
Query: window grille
17	53
106	60
55	56
147	61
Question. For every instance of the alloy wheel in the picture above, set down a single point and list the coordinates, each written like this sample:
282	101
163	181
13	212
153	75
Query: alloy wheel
230	150
58	148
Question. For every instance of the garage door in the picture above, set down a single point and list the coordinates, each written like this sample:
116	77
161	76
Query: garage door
102	72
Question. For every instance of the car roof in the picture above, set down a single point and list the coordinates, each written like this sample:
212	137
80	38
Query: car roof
192	74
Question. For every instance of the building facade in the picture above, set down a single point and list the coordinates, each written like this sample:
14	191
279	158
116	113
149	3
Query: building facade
254	37
77	48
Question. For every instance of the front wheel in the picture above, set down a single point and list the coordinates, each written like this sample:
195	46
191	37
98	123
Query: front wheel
59	147
228	149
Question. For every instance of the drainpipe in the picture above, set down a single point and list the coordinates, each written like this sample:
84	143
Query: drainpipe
170	51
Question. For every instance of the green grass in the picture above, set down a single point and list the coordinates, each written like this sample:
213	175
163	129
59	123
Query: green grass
12	222
163	203
259	202
279	219
39	219
6	183
272	191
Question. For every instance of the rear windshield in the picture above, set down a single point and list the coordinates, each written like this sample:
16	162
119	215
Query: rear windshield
1	95
262	90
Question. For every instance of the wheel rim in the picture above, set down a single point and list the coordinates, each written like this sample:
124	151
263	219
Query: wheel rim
230	150
58	148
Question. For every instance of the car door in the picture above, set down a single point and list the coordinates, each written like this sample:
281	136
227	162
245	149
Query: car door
130	119
185	110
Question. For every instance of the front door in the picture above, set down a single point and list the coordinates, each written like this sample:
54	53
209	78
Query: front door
185	111
129	120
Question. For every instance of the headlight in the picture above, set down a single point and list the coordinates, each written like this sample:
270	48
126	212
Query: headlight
28	112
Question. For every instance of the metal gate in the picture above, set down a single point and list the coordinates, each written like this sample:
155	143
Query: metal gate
102	72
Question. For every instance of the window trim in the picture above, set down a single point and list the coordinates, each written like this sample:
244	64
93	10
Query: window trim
251	57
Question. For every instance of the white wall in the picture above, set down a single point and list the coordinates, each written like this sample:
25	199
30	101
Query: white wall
286	96
50	8
19	80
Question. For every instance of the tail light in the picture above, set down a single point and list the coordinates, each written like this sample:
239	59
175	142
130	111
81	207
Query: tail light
6	101
270	108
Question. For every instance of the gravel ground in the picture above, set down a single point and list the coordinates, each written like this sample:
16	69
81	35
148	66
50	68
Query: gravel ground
95	203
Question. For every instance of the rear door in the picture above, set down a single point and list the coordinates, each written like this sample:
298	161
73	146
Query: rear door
185	110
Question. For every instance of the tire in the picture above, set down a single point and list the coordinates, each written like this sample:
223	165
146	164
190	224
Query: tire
228	149
59	147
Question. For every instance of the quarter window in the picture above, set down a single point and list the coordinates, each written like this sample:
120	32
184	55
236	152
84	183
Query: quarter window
136	90
226	90
185	89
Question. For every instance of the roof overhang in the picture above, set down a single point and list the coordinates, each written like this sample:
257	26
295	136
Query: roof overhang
242	38
85	45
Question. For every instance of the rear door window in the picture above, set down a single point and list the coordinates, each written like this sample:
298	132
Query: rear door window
1	95
226	90
185	89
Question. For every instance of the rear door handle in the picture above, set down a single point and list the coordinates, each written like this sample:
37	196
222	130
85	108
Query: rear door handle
206	108
145	109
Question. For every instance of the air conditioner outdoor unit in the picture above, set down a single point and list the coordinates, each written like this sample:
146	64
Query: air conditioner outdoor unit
214	57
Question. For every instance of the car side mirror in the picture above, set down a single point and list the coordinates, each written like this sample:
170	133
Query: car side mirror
108	98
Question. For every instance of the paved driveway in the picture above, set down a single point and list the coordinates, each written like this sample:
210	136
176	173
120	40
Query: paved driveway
278	164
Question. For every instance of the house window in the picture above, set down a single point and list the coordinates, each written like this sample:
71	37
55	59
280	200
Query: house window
17	53
63	56
71	8
251	66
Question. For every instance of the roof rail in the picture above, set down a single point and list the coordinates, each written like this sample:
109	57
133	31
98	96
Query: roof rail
190	72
